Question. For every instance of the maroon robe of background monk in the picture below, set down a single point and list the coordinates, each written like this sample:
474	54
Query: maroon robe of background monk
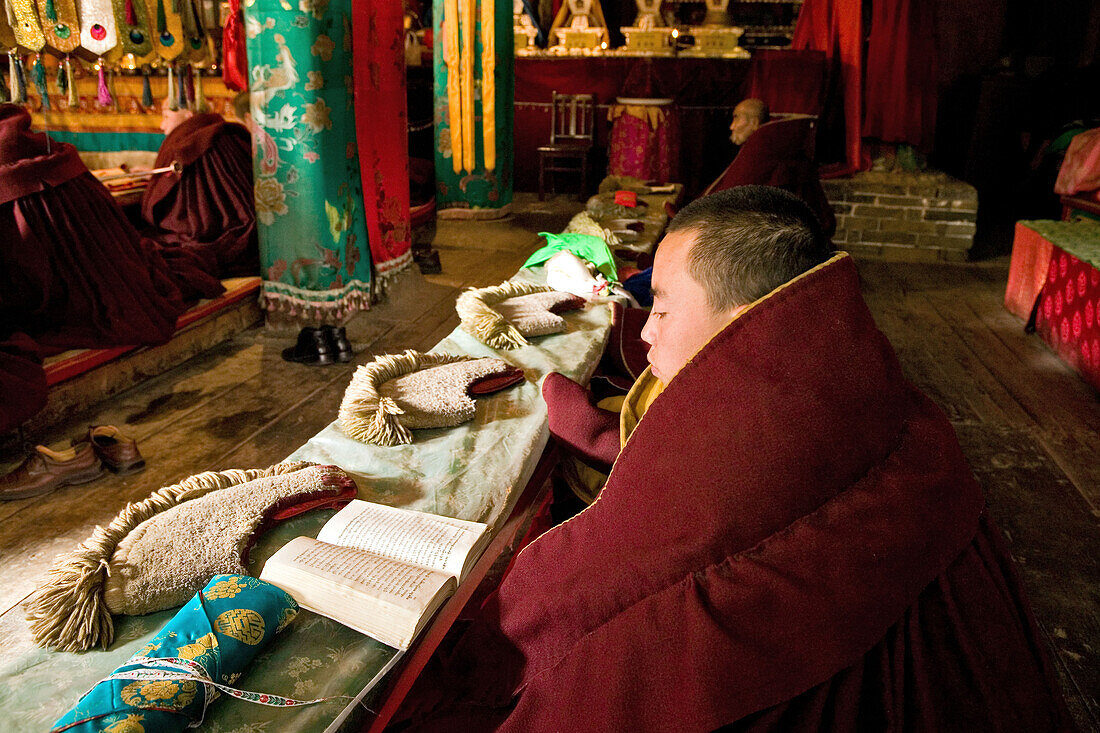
208	207
790	539
775	152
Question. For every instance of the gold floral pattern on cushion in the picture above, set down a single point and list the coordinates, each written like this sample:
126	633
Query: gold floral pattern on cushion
129	724
225	589
200	647
159	694
242	624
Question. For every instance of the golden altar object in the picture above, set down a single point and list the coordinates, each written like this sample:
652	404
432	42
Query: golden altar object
525	32
717	37
717	43
649	35
579	27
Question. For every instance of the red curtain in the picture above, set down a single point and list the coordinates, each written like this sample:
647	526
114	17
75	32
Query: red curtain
381	126
836	27
900	103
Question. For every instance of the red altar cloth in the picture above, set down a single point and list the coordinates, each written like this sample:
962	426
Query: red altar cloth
645	142
1069	313
1027	271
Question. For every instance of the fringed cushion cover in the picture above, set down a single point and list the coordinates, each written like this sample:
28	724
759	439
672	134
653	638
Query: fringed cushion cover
69	612
397	393
502	316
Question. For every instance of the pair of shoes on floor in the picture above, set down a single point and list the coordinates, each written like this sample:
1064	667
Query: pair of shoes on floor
317	346
103	447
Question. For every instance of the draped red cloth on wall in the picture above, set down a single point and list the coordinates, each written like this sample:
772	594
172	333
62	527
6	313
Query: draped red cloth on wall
791	539
788	81
836	27
780	154
381	127
1069	313
208	208
234	54
899	104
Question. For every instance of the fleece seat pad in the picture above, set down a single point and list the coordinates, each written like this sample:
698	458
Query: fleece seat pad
397	393
503	316
167	558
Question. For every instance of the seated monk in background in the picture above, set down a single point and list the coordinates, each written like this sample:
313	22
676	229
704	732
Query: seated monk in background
208	208
74	272
790	538
773	152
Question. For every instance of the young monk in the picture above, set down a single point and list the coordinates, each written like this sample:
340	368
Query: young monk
790	538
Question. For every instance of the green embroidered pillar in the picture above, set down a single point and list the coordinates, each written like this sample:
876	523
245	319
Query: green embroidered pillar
474	94
314	254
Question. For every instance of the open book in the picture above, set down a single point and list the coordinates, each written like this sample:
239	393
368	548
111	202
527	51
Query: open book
382	571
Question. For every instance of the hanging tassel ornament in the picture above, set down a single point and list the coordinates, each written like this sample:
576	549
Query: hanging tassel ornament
19	96
62	82
188	86
146	88
104	96
170	99
70	83
182	102
200	98
40	82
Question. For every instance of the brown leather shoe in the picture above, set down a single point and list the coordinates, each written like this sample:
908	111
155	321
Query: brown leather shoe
46	470
118	452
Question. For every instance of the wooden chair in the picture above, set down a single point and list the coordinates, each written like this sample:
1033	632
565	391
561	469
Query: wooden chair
572	134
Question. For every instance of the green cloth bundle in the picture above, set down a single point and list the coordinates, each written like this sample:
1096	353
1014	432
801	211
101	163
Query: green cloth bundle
215	635
586	246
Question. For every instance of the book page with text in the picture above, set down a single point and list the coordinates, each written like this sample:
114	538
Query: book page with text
407	536
395	582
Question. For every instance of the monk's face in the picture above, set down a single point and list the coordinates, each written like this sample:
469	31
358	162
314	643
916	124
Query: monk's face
746	119
682	320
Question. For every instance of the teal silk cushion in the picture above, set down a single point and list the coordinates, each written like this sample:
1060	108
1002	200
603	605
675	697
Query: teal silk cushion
221	629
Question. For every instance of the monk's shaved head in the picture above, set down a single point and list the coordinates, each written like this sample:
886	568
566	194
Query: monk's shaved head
748	241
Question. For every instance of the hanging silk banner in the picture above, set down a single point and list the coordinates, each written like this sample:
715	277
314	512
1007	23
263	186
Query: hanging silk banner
474	96
314	252
381	122
7	35
98	31
23	17
132	21
167	27
60	24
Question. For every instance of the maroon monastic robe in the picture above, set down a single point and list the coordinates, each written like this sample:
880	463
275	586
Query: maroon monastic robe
74	273
208	208
780	154
789	540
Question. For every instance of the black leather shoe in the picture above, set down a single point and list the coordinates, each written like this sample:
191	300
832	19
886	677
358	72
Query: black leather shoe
313	347
338	342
